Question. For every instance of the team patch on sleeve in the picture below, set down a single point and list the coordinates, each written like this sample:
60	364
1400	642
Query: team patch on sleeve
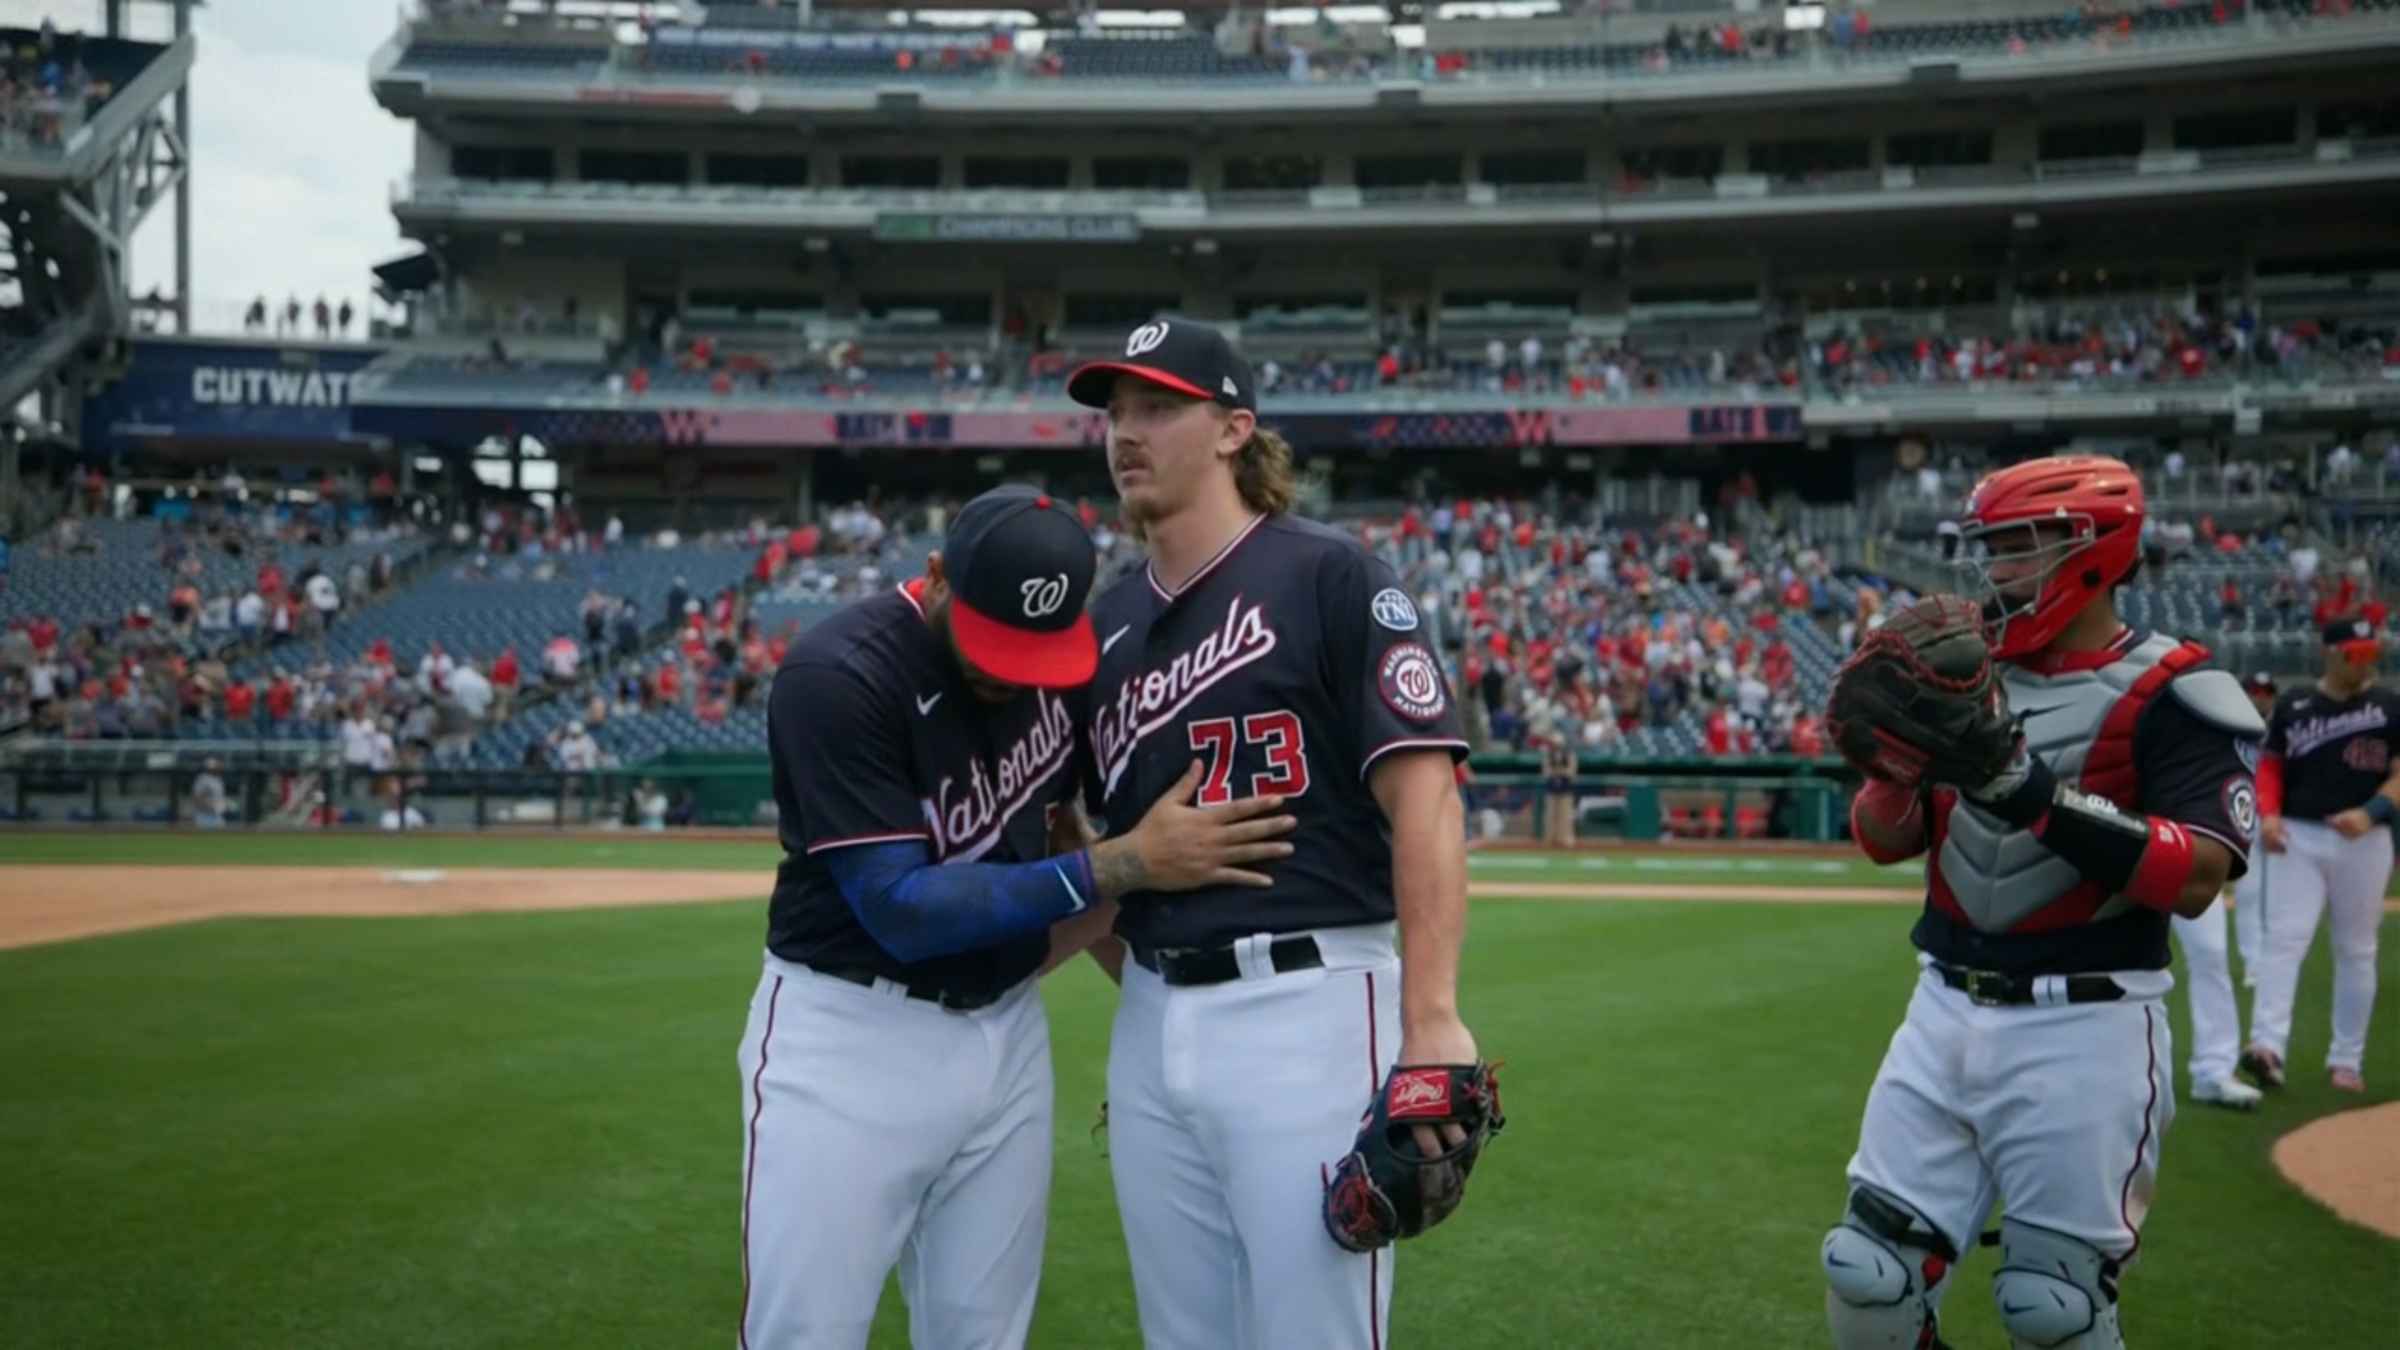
1411	683
1394	610
2241	804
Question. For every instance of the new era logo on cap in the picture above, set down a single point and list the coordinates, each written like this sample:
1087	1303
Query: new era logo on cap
1189	358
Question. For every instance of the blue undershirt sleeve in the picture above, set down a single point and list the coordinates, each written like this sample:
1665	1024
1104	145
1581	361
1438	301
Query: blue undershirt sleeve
918	909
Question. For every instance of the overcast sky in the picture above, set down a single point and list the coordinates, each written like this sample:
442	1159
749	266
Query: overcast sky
291	157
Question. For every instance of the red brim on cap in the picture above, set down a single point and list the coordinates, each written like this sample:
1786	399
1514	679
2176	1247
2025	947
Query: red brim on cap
1060	660
2360	649
1090	385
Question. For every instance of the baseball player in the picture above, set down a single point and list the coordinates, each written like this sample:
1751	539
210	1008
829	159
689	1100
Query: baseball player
1281	660
896	1068
2328	785
2068	798
2249	900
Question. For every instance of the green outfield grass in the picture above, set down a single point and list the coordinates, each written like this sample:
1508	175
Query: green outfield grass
524	1130
367	849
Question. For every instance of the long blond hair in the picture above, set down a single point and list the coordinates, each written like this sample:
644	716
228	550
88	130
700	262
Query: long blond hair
1262	470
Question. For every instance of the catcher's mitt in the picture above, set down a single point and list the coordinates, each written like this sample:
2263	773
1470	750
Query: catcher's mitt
1919	700
1386	1189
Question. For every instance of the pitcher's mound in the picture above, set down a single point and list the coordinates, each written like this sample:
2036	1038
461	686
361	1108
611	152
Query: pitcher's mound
2349	1162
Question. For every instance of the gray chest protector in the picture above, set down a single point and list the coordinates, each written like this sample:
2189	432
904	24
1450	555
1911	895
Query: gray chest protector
2000	875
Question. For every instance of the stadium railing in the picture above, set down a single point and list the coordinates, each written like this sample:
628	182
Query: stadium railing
288	785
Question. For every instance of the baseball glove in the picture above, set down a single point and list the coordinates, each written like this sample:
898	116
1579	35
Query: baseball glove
1386	1190
1919	700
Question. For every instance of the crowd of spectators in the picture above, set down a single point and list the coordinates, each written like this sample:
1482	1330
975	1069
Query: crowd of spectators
1563	631
289	320
163	661
46	91
2128	344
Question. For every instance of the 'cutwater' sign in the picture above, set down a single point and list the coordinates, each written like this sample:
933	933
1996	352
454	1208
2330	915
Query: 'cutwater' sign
202	390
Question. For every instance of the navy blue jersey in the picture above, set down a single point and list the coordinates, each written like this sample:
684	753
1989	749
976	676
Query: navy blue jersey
876	739
2336	752
1288	665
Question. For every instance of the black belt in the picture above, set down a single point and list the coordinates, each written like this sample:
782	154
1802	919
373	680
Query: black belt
1216	965
1993	988
946	999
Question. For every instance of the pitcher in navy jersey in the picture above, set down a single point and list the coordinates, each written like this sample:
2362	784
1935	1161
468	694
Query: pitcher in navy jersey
896	1068
2328	787
1280	660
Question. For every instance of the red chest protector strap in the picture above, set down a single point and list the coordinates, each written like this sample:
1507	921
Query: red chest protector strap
2108	767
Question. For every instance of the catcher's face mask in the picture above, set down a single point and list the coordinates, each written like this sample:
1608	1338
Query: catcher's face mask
2021	573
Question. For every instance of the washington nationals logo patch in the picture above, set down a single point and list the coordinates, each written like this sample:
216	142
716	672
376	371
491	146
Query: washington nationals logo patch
1412	684
2241	804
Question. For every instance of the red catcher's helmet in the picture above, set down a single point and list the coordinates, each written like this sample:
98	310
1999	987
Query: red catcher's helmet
2047	576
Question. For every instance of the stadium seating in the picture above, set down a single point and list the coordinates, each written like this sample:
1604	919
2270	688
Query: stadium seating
472	615
501	57
1155	54
103	588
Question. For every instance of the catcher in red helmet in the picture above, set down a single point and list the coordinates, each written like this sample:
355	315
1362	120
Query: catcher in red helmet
2071	782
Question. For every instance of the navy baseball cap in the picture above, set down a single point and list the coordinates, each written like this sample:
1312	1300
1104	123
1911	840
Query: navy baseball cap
1189	358
1020	567
2356	638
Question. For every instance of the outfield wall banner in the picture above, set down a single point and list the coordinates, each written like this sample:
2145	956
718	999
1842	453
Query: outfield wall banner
1076	429
201	390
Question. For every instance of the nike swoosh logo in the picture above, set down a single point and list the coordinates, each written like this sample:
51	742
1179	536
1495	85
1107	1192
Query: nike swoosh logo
1112	638
2013	1308
2031	713
925	704
1072	893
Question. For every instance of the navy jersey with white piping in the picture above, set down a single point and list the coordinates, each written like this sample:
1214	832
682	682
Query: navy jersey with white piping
2336	752
876	739
1287	665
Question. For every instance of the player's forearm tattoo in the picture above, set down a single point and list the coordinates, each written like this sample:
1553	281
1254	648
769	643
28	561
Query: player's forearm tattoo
1117	868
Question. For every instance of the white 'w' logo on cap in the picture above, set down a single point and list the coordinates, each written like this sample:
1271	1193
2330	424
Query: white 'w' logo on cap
1043	595
1144	338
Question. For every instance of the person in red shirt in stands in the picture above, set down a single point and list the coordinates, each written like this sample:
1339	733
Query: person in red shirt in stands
670	683
279	698
755	660
770	562
1808	736
504	676
270	582
241	701
720	612
1719	731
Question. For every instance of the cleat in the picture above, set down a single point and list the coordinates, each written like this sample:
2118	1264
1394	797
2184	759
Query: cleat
2230	1093
2263	1067
2346	1080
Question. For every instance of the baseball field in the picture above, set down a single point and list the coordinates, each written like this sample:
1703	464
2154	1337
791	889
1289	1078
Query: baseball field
280	1091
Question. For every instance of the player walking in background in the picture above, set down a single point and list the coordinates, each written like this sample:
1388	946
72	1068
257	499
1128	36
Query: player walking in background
2329	784
896	1068
2250	899
1281	660
2067	800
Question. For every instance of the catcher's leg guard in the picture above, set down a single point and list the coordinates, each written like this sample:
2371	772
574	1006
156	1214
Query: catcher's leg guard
2055	1292
1884	1268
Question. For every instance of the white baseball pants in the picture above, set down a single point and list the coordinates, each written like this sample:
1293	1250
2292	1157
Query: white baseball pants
2208	984
2322	873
